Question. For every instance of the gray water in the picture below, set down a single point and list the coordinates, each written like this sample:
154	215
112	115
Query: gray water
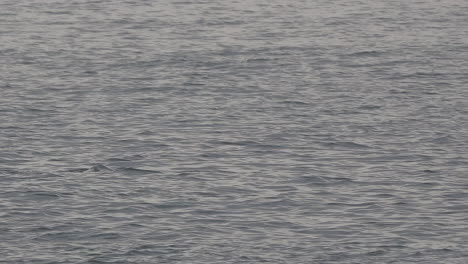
233	131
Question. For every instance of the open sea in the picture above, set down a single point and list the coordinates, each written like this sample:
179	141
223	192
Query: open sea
225	132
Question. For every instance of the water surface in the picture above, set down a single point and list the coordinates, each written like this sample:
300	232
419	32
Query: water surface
233	131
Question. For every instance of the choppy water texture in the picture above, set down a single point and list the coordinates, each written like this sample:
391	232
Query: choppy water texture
279	131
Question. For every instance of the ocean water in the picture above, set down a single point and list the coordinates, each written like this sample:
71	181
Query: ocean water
209	131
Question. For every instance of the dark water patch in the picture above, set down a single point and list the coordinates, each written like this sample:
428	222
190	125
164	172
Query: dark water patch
417	75
117	159
440	140
99	168
62	236
139	171
370	53
397	157
294	103
42	196
346	145
106	236
236	143
456	195
170	205
375	65
376	253
279	188
369	107
79	170
430	171
206	194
